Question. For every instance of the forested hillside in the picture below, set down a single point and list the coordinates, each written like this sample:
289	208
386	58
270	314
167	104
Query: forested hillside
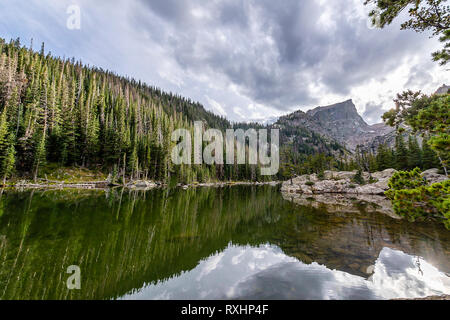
59	111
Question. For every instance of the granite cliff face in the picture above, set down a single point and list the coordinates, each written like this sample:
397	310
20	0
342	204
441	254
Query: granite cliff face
340	122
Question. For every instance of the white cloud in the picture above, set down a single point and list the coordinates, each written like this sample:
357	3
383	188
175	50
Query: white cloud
258	272
216	107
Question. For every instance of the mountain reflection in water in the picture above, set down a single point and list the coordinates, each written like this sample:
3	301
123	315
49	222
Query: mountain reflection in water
241	242
266	273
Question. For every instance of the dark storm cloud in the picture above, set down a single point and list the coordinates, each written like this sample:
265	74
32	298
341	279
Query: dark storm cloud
273	52
233	14
298	34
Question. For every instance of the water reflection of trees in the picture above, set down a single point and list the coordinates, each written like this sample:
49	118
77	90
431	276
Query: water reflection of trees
125	239
351	242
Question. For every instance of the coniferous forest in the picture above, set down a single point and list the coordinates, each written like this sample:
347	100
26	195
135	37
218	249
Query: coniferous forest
61	112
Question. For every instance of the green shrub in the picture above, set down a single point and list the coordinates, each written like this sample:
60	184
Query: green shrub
373	180
309	183
405	180
321	175
413	199
358	178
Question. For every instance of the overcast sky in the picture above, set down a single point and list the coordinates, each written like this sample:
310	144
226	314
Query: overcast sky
244	59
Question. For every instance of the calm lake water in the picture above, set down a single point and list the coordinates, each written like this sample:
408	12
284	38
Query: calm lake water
211	243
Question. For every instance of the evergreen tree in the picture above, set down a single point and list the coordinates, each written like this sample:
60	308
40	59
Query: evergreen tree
424	15
3	134
414	153
429	157
384	158
40	156
401	153
9	160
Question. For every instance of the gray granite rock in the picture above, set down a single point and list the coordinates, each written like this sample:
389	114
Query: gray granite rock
432	176
341	182
338	182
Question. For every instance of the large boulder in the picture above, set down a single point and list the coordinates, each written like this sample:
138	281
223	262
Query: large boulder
384	175
432	176
142	185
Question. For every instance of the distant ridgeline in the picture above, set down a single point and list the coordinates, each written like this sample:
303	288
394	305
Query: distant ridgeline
57	110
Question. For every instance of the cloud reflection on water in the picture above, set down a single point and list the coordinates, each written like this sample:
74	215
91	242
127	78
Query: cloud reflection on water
265	272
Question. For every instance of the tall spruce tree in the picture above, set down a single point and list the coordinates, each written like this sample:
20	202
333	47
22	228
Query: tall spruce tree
8	164
401	153
429	157
414	153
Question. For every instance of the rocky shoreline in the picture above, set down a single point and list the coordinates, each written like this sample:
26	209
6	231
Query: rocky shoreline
337	192
342	182
133	185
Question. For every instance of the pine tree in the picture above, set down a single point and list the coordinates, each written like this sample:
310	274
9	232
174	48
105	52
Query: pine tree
9	160
429	157
3	134
414	153
384	158
401	153
40	156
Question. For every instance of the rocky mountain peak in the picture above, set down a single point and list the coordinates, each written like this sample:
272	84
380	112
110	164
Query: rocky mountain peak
340	122
343	111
